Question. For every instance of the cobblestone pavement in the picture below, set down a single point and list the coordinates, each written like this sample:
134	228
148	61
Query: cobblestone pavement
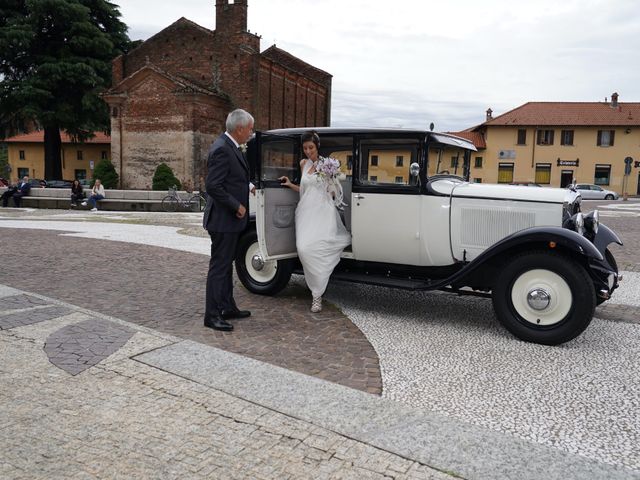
123	419
164	289
103	256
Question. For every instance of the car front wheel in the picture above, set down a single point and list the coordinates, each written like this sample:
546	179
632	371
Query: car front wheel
264	277
608	197
544	297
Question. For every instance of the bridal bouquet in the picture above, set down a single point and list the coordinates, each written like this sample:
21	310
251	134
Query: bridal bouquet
328	171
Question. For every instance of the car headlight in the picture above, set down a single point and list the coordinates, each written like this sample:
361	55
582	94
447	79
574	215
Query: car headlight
575	223
592	221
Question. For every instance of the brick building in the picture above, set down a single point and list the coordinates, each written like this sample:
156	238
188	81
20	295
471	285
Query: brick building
171	95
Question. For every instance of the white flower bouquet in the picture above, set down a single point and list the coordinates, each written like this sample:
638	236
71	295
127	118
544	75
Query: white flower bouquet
328	171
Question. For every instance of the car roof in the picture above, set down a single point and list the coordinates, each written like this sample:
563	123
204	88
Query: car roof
446	138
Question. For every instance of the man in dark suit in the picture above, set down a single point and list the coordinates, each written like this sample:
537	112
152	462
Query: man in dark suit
21	190
225	217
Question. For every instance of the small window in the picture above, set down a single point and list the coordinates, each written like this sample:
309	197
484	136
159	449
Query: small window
543	173
103	155
505	173
477	180
23	172
567	137
454	162
602	175
349	162
22	157
478	162
522	136
605	138
80	174
383	158
545	137
79	154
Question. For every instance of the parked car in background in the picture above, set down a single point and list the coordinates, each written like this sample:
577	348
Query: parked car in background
544	263
4	182
37	183
85	183
59	183
589	191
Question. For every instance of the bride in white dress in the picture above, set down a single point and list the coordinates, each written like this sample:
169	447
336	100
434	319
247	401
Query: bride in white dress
320	234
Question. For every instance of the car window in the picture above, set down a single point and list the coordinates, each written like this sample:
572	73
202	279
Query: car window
582	187
387	161
280	157
597	188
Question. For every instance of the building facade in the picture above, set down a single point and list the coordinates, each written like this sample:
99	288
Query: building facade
171	95
26	155
557	143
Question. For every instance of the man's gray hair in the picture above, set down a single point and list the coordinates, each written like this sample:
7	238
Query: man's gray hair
238	118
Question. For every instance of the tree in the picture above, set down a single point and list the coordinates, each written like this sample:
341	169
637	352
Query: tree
163	178
55	60
107	174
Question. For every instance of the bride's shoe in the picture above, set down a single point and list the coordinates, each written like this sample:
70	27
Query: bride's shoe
316	305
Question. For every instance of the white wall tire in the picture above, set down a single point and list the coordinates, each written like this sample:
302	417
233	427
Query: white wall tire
558	318
559	294
259	276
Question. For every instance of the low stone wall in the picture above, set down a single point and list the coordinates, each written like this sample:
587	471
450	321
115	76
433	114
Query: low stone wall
127	200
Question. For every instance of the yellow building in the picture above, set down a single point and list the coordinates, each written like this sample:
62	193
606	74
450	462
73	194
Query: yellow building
26	155
555	143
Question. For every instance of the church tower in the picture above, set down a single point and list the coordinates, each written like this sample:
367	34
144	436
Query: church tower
231	16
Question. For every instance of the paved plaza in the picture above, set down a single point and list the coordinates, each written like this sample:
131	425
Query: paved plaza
107	372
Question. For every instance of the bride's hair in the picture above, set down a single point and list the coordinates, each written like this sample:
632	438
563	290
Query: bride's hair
311	136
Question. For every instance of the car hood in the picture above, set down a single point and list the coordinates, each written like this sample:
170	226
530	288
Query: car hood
457	188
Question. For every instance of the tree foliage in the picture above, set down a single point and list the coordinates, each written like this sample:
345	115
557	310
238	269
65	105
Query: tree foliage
107	174
55	60
163	178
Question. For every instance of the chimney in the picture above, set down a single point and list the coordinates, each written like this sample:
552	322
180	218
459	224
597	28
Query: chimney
489	114
614	100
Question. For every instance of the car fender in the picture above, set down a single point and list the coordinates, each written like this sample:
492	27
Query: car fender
605	237
552	237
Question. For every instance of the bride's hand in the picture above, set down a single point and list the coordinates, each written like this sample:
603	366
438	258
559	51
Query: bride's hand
285	181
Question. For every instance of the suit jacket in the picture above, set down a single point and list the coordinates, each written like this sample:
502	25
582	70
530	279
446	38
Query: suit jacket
227	187
23	189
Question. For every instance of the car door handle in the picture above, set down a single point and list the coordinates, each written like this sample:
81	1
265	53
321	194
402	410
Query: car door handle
358	196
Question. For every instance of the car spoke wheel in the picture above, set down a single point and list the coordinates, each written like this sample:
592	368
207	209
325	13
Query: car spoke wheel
264	277
608	197
544	297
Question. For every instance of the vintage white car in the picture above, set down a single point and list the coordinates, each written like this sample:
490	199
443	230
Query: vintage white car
544	264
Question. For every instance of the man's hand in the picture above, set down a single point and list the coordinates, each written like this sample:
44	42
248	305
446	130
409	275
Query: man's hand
242	211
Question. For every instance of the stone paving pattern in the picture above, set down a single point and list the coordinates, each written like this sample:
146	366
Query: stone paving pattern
76	347
12	318
164	289
124	419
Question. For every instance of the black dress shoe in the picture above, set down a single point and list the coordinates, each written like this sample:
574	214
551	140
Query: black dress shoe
218	323
227	314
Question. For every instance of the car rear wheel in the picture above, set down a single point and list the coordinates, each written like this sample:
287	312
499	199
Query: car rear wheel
264	277
544	297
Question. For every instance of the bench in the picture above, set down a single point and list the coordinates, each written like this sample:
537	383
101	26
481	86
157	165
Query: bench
116	200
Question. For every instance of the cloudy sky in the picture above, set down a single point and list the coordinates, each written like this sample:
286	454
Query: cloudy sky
407	63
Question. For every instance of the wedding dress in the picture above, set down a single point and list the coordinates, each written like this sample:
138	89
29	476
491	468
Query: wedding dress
320	234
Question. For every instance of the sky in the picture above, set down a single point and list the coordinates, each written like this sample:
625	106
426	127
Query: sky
407	63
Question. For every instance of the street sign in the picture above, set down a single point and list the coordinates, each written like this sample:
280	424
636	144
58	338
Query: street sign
91	164
627	165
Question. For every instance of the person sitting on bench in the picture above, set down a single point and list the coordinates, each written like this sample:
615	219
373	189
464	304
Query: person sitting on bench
97	194
20	190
